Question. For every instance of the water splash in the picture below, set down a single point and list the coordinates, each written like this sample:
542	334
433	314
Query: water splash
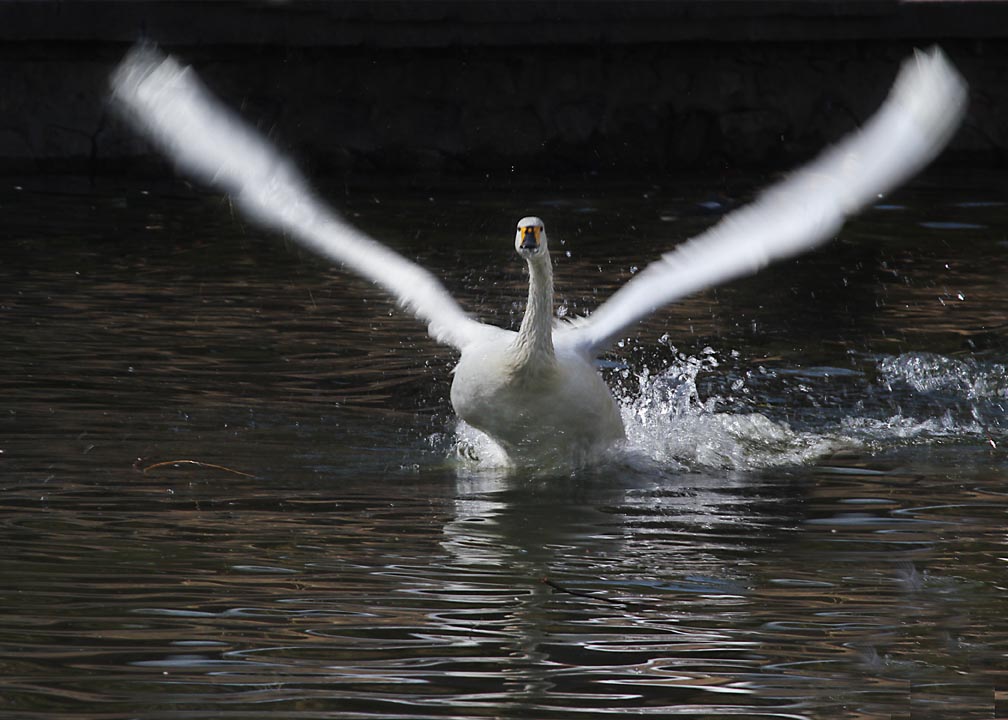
673	425
474	448
668	422
963	397
940	375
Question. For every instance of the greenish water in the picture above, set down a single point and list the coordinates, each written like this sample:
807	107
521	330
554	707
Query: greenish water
808	521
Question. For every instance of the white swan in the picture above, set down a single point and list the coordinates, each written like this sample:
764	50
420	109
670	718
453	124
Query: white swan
536	391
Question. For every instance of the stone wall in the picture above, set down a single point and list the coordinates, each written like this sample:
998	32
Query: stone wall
444	86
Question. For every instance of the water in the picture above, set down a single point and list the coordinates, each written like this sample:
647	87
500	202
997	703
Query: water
808	520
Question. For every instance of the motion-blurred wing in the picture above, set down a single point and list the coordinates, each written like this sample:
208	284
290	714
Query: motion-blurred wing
168	104
915	122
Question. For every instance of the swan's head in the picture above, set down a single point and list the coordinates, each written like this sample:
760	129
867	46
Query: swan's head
530	240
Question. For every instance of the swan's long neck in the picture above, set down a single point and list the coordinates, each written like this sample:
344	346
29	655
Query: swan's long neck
534	344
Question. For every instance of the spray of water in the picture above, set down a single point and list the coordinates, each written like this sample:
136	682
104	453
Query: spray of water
669	422
966	378
961	398
671	425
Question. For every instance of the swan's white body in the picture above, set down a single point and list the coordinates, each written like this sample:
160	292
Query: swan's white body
534	398
536	391
561	410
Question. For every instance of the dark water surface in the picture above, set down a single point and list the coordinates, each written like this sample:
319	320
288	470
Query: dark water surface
809	520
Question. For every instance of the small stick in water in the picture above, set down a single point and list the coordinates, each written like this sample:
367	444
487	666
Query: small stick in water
198	463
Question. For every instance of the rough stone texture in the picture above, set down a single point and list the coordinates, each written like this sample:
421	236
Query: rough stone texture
451	86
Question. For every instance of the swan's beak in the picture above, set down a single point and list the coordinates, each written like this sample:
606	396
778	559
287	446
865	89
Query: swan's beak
529	238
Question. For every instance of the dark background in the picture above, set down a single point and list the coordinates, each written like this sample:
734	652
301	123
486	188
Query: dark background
467	87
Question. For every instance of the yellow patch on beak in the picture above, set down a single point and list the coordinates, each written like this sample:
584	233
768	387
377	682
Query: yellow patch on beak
530	237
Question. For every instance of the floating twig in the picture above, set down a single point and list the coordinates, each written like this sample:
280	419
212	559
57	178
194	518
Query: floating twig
199	463
581	593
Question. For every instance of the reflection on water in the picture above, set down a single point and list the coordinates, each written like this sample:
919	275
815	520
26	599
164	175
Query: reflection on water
808	520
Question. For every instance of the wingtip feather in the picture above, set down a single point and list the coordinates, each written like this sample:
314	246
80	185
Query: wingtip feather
142	61
932	92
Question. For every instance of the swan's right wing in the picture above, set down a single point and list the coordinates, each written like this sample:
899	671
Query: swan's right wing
918	118
169	104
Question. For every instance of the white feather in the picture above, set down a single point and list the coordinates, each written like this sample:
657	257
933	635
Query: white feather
173	108
806	209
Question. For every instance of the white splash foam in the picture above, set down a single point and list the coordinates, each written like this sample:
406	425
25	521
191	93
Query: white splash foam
668	422
899	429
477	449
931	373
962	398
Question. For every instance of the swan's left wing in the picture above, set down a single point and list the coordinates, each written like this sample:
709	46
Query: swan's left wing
918	118
169	104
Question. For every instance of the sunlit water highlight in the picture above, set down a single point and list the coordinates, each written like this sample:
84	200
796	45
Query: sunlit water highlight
807	520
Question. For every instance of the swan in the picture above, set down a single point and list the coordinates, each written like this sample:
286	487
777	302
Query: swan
537	391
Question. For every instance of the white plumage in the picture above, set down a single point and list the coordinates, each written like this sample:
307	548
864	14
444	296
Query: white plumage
536	391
